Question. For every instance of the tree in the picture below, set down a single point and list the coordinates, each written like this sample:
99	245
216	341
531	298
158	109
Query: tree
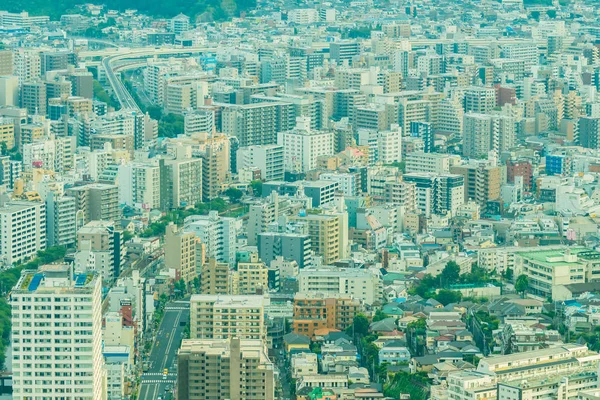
360	325
154	112
257	188
4	148
446	297
522	284
235	195
451	273
379	315
509	274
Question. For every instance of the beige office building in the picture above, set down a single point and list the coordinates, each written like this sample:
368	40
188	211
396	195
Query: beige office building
222	317
180	252
482	183
231	369
253	276
215	278
325	235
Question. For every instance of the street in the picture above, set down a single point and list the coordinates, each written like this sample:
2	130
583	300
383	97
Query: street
164	352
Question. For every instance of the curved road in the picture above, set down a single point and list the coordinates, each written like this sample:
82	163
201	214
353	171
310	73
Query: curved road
123	96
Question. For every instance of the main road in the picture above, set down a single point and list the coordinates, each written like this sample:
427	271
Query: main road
164	352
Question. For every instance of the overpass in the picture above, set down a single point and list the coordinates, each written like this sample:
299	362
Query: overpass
124	55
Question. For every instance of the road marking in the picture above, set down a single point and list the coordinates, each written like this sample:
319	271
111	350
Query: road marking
156	374
176	308
171	381
170	342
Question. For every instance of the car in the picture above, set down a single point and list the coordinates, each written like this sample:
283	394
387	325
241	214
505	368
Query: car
164	376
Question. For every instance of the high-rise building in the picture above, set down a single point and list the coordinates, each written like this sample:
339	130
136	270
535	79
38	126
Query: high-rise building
483	132
326	235
230	369
437	193
302	146
255	124
424	131
480	99
23	230
218	235
344	50
290	246
180	182
6	62
245	316
60	359
589	132
267	158
9	90
96	201
482	183
215	278
60	220
215	166
139	185
252	276
180	252
100	248
33	97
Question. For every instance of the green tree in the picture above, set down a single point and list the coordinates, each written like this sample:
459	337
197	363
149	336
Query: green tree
446	297
235	195
522	284
155	112
4	148
360	326
451	273
379	315
257	187
509	274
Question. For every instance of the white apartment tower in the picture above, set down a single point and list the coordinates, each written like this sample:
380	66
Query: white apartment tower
57	335
22	230
303	146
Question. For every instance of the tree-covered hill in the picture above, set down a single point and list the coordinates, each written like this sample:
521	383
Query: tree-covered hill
219	9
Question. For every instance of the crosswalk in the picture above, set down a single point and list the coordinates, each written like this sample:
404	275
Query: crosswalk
171	308
171	381
157	374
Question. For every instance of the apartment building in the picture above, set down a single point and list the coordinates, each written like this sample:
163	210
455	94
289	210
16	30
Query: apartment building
100	248
139	185
224	369
361	284
218	235
316	310
436	193
215	152
302	146
61	214
226	316
63	358
548	268
180	182
482	183
268	159
290	246
96	201
253	276
33	97
326	234
255	124
22	230
181	252
437	163
216	278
